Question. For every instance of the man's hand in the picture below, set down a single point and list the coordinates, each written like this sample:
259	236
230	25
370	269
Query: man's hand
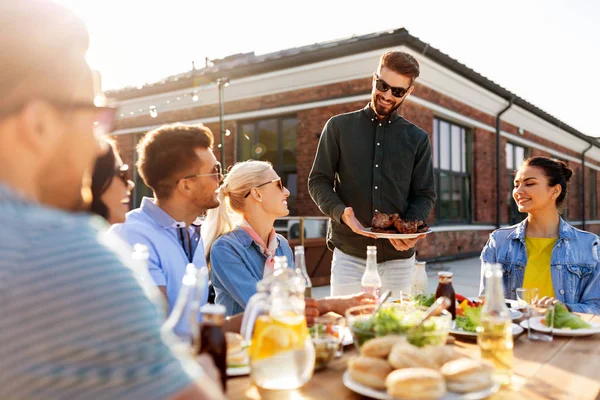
339	304
350	220
311	310
405	244
208	366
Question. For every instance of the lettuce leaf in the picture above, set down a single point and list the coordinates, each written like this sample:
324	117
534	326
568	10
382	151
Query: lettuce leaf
563	319
470	320
425	300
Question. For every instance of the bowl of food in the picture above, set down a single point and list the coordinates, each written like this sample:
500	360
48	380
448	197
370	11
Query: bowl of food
327	336
397	319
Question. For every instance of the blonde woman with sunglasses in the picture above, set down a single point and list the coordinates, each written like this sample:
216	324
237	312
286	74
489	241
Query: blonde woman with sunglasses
240	239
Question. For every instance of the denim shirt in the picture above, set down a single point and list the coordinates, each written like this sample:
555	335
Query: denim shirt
237	264
574	265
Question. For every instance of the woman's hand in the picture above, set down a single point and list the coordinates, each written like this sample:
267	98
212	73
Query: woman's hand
547	301
311	310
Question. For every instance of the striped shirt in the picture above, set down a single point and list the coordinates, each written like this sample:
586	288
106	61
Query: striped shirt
75	323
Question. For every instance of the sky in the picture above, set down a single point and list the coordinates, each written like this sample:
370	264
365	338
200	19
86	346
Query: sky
546	51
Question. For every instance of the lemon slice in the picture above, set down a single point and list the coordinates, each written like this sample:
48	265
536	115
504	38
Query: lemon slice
274	339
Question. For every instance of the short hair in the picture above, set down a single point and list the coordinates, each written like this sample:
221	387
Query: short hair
401	63
43	48
169	151
557	172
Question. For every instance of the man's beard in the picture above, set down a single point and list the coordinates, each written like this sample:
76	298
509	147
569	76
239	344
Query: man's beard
383	111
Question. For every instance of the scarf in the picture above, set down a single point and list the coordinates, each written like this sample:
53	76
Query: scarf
267	249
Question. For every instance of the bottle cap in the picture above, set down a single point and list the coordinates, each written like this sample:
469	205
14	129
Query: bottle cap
299	249
214	309
445	274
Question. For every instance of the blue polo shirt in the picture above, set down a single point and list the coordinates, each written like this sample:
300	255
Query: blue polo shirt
170	244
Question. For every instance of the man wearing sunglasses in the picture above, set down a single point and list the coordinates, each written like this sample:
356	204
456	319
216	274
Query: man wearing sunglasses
74	322
177	163
374	160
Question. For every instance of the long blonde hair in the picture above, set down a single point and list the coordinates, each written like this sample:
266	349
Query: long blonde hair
242	177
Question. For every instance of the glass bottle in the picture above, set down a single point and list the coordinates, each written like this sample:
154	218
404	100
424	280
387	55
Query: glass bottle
300	262
494	333
212	338
371	281
420	281
185	316
445	288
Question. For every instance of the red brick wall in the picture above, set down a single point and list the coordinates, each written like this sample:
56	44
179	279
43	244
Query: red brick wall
310	125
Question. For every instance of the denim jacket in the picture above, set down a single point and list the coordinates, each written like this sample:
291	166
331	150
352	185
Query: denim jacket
575	266
237	264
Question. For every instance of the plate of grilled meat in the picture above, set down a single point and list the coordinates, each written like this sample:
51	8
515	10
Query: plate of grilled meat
391	226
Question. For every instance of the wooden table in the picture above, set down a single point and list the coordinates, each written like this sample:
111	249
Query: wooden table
567	368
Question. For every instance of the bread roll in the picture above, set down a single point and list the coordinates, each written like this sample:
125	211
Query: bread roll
236	354
467	375
416	383
405	355
369	371
440	355
380	347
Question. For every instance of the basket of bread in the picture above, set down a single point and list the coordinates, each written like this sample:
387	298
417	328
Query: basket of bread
391	368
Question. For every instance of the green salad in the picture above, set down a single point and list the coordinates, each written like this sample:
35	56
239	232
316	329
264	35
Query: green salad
563	319
394	321
425	300
470	320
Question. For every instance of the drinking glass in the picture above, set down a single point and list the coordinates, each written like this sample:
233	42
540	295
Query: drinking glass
542	319
330	328
527	297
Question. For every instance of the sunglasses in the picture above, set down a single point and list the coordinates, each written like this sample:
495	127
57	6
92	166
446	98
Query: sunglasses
104	119
123	173
383	86
279	183
217	170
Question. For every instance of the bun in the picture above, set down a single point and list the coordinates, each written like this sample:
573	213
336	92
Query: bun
369	371
236	354
381	347
405	355
467	375
567	172
416	383
440	355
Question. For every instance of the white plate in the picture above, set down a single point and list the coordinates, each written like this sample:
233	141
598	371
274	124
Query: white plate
516	330
382	395
348	339
515	314
536	324
397	235
238	371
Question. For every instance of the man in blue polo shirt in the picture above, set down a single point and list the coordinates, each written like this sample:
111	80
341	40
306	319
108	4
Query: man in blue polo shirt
75	323
177	163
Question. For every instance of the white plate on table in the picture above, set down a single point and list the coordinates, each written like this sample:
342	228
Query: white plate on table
536	324
348	339
397	235
382	395
514	313
238	371
459	332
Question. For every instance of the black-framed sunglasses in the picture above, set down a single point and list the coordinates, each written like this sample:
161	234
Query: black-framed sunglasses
279	183
383	86
104	120
217	170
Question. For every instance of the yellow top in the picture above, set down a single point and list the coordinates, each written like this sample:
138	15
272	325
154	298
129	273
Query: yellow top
537	271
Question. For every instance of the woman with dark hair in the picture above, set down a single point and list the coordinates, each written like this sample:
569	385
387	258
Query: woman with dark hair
111	186
544	251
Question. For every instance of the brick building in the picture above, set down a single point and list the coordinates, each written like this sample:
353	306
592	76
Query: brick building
277	104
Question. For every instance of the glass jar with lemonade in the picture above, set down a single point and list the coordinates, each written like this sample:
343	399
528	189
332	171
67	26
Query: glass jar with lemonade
282	354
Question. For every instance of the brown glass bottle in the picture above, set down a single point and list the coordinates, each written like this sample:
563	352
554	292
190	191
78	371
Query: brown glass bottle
212	338
445	288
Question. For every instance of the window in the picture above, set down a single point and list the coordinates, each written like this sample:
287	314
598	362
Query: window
592	186
272	140
515	155
452	164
